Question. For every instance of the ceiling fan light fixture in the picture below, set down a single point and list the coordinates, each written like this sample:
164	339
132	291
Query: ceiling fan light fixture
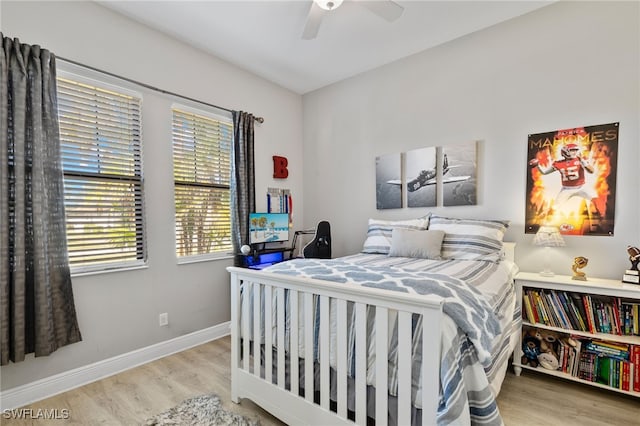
328	4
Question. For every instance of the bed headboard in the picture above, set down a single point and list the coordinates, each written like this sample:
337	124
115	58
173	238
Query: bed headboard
509	250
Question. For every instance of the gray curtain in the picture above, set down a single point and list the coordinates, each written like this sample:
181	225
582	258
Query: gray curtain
37	309
243	185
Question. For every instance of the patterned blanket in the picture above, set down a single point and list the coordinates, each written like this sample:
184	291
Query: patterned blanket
472	341
464	304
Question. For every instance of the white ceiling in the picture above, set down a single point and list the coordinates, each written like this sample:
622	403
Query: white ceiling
264	37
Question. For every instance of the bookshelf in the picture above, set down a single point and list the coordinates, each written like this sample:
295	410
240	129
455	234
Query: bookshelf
597	344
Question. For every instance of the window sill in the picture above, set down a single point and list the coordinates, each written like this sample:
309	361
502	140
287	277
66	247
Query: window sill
108	271
199	259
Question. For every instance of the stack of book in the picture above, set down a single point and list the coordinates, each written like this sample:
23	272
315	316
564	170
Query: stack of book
612	364
582	312
631	276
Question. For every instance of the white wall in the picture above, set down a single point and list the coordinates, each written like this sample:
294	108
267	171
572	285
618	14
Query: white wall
567	65
118	312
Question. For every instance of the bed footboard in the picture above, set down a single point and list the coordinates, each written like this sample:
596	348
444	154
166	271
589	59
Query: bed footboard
321	325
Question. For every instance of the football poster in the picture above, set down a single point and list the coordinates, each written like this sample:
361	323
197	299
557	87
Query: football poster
571	180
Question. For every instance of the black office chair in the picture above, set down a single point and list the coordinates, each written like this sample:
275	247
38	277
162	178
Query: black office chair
320	246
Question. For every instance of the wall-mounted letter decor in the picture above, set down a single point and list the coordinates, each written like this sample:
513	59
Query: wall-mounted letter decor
280	170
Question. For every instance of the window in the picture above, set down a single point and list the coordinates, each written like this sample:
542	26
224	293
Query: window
202	179
101	159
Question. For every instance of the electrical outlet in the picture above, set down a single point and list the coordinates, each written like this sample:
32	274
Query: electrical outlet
163	319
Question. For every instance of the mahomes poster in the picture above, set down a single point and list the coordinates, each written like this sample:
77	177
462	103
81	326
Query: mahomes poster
571	180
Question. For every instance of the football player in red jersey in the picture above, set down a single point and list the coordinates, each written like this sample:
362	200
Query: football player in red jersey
571	167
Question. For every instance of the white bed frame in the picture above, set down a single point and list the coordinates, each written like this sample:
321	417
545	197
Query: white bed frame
271	394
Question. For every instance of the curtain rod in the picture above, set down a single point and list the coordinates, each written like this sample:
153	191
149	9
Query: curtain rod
147	86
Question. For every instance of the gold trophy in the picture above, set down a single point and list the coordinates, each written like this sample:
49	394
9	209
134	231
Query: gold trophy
579	263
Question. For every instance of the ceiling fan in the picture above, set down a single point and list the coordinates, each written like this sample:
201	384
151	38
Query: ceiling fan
386	9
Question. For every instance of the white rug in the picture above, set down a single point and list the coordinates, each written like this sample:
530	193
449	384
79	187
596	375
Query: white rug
205	410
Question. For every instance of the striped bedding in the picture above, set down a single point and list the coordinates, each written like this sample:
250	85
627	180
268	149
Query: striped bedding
472	368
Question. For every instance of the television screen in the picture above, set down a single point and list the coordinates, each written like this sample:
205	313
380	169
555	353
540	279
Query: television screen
268	227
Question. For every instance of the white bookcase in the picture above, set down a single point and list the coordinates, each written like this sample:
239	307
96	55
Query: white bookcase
593	286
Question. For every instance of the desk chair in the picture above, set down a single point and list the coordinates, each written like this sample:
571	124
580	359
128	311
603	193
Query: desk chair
320	246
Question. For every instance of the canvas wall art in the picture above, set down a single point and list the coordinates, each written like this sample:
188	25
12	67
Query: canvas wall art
459	173
388	182
420	171
571	180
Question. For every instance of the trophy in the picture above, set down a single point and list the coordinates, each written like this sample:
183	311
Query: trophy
632	275
579	263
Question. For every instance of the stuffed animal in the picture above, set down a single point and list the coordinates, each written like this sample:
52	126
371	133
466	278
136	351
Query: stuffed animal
538	347
548	357
530	348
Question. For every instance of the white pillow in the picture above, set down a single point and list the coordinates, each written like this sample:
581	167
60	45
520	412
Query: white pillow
470	239
379	233
420	244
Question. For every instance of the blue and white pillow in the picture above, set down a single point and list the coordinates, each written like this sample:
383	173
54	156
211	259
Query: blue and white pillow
470	239
380	232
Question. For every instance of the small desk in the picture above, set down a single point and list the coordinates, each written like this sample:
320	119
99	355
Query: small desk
260	259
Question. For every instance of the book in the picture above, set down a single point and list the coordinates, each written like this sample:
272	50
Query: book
541	309
586	300
550	305
586	367
604	373
606	351
564	316
578	309
626	369
616	316
612	345
534	308
636	367
528	310
566	305
574	368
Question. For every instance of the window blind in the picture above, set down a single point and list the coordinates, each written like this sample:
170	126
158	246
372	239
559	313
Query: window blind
101	158
202	177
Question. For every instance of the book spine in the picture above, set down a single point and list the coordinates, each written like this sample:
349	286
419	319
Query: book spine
588	314
534	308
566	303
627	319
636	368
562	311
548	304
528	310
541	309
616	316
626	366
578	313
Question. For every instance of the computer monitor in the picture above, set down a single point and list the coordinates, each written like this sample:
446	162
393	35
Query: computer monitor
268	227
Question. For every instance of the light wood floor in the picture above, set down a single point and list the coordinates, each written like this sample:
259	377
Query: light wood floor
129	398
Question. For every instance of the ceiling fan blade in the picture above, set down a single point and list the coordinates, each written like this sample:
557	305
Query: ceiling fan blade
314	19
386	9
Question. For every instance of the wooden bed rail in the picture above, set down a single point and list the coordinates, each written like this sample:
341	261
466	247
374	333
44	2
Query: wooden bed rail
252	379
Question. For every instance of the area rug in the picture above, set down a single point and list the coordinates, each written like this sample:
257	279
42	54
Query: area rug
204	410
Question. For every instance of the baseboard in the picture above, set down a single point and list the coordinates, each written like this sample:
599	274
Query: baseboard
62	382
